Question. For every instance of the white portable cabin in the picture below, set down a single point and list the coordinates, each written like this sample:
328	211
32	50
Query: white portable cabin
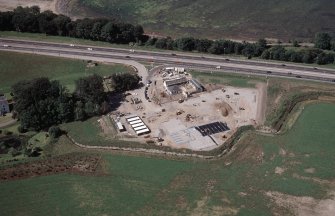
140	128
169	68
142	131
179	69
133	119
135	122
120	126
137	125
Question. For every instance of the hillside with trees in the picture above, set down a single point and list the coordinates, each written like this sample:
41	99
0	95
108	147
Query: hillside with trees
31	19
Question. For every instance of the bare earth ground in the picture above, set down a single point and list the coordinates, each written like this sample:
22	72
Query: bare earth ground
57	6
235	106
304	206
6	5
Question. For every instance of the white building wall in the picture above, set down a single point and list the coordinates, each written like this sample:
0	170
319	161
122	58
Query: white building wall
4	107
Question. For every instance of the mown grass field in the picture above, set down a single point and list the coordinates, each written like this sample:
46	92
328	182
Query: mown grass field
235	184
15	67
244	81
242	19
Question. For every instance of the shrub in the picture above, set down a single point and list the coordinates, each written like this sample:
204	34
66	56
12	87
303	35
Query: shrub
21	129
6	132
55	131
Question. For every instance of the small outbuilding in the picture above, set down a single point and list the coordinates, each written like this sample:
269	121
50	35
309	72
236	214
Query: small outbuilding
4	106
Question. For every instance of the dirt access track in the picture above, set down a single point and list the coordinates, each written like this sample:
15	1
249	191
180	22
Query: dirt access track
57	6
6	5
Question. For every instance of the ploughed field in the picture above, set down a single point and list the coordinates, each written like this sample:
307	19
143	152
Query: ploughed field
239	19
284	174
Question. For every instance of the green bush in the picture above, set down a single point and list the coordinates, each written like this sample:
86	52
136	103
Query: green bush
55	132
21	129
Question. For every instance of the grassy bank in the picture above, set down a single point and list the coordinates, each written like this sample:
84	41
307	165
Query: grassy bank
284	94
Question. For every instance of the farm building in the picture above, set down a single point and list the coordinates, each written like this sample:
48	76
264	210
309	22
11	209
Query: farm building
4	107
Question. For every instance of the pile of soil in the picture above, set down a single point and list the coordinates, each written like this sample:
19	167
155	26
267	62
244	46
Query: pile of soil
223	108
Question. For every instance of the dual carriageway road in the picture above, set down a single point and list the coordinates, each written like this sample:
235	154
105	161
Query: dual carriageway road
191	61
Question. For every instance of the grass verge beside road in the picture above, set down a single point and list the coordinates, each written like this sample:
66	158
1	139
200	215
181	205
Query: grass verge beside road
227	79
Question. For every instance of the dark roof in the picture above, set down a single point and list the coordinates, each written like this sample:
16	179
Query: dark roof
196	83
177	81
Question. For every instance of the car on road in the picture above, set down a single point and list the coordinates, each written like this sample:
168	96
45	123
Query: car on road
173	54
218	67
89	48
6	45
269	72
71	45
127	56
298	76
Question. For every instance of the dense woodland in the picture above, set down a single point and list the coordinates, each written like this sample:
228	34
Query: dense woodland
30	19
41	103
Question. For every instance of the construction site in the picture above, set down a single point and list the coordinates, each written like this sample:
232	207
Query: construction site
174	109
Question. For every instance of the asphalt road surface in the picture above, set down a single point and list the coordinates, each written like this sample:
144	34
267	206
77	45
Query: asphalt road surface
192	61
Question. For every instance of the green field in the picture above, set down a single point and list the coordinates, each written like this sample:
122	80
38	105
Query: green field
235	184
240	19
16	66
244	81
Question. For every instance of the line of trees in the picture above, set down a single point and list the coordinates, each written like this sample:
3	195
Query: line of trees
308	55
31	19
258	49
217	47
324	41
41	103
